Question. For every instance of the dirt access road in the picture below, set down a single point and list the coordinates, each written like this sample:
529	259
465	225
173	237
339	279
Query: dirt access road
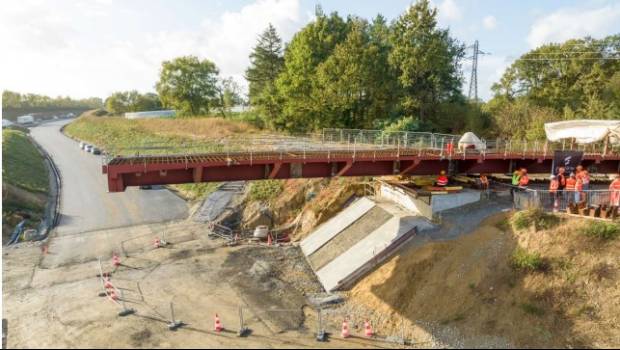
85	203
51	300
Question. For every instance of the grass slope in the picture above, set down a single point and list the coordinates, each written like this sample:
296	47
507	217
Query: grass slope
115	133
550	287
25	181
22	165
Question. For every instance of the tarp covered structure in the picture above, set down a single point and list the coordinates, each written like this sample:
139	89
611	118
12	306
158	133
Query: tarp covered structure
470	140
584	131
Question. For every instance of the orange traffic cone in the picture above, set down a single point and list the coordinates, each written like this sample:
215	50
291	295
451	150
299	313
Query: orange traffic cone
116	261
367	329
269	241
218	325
107	284
345	329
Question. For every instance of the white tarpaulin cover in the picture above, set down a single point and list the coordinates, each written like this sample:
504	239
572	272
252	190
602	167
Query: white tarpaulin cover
584	131
470	139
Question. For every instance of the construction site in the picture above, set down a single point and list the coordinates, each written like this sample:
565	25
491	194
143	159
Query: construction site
289	174
337	262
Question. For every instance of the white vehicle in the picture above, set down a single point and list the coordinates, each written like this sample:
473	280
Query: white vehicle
89	148
25	119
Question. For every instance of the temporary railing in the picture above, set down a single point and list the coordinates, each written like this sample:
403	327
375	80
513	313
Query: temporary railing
353	141
560	200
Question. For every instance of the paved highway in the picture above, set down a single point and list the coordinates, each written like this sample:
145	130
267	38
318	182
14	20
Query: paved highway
85	203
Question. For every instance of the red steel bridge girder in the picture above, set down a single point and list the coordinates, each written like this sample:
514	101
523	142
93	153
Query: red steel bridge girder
141	171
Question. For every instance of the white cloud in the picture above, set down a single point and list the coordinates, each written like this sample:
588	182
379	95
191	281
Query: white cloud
449	11
53	50
571	23
489	22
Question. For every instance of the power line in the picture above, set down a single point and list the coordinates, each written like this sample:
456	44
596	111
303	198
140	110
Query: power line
570	59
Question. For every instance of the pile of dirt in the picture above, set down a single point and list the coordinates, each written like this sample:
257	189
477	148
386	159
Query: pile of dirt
468	292
312	202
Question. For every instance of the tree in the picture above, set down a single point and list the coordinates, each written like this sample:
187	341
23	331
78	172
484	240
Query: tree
296	85
354	88
228	92
131	101
427	62
266	61
188	85
574	79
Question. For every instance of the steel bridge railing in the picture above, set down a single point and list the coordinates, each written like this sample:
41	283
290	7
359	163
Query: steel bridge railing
353	141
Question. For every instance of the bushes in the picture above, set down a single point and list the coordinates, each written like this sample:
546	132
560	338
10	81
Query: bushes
265	189
524	260
602	230
536	217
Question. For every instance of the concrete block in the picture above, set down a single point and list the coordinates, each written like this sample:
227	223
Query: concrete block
328	230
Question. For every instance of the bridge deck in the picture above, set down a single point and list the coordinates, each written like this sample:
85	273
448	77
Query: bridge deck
123	171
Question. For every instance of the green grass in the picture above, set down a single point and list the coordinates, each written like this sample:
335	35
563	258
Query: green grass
195	191
537	217
532	309
601	230
526	261
120	136
265	190
22	165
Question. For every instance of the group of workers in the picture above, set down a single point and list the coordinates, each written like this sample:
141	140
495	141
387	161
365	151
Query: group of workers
576	183
572	186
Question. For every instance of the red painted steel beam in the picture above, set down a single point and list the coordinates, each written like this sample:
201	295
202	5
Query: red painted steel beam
137	171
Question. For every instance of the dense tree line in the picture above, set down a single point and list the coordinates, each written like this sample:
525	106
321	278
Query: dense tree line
131	101
352	73
15	100
577	79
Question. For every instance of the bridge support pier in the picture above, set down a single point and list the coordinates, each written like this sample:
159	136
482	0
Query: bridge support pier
197	174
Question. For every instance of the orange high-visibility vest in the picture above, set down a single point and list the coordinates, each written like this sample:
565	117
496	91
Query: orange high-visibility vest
615	194
585	177
570	184
554	185
442	180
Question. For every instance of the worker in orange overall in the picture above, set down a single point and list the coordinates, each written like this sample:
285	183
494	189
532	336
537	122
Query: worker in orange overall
614	187
554	185
584	175
524	180
484	184
442	180
571	185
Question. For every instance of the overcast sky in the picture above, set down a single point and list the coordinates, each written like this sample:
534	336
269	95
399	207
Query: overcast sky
91	48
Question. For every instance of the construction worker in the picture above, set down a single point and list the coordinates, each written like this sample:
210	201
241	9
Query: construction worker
554	184
614	187
578	189
516	175
484	182
442	179
561	182
584	175
524	180
571	185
